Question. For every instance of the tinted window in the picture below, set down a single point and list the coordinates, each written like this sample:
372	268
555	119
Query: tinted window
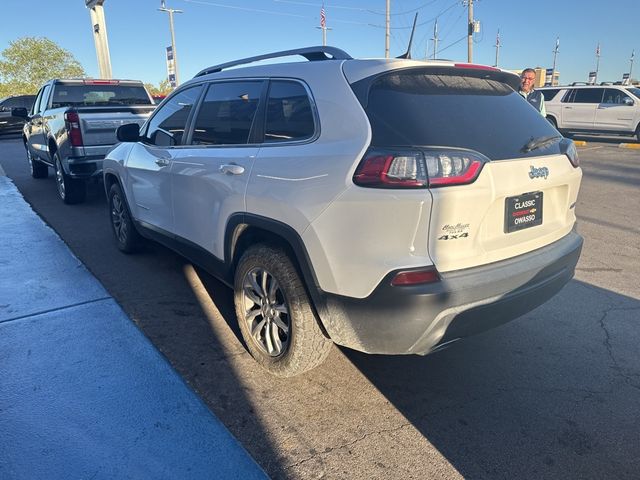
34	107
549	94
227	113
98	95
166	127
614	96
12	102
417	108
289	115
588	95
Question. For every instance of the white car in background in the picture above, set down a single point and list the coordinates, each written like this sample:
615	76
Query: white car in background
594	109
391	206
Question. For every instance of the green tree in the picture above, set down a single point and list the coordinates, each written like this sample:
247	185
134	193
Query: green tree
164	88
30	61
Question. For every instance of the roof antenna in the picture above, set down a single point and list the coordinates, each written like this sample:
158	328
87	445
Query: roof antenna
407	54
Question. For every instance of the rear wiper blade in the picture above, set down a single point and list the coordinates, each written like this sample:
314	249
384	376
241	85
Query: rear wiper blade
540	142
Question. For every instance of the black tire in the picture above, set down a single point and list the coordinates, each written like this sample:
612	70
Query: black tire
553	122
127	237
274	313
36	167
70	190
638	134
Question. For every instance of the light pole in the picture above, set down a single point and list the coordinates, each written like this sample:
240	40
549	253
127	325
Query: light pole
100	36
171	11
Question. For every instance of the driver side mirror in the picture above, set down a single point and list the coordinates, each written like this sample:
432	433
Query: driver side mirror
20	112
129	132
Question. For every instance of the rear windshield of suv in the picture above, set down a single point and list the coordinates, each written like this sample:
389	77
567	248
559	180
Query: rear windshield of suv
98	95
418	108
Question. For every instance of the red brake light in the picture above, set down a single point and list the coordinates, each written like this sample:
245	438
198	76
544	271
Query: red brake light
72	123
418	169
476	66
415	277
384	169
101	82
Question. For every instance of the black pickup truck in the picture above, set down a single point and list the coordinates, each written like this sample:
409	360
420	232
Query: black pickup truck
72	125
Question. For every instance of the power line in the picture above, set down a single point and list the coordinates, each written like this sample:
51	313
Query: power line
269	12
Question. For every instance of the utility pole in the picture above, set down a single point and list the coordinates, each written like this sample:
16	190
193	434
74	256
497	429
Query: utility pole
555	55
100	39
435	40
387	28
497	47
171	11
597	62
471	27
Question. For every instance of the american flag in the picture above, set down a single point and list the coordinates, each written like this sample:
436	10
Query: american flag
323	17
598	50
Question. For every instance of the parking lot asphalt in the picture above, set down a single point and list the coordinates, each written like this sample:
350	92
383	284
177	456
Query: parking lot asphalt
554	394
83	393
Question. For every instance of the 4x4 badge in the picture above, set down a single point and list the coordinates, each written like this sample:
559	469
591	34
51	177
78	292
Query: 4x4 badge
538	172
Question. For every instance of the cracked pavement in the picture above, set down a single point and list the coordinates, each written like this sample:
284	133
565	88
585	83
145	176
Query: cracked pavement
554	394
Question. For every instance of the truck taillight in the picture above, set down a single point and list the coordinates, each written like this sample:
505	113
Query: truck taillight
418	168
72	124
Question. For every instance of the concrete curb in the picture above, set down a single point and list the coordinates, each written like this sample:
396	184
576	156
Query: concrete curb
635	146
580	143
83	393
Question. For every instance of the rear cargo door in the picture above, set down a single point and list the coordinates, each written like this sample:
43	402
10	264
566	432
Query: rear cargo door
524	195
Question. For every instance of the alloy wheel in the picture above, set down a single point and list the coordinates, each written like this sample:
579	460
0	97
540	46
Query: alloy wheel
266	312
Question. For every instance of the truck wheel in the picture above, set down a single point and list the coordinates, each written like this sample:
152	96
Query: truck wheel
127	237
71	190
276	319
37	168
638	133
552	121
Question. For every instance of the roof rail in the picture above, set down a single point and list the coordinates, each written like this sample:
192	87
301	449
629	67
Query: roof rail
310	53
580	83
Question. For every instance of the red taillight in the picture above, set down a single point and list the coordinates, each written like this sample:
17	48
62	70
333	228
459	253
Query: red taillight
72	123
383	169
418	169
415	277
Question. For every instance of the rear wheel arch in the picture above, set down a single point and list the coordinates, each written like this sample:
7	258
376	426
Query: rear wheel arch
246	230
552	120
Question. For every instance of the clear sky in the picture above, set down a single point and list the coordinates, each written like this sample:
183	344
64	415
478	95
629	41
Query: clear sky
216	31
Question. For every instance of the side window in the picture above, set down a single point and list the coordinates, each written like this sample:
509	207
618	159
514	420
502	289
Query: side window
289	114
613	96
569	96
227	112
44	100
167	126
588	95
34	107
549	94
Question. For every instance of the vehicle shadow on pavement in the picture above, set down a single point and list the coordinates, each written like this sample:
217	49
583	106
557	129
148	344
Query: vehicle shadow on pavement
554	394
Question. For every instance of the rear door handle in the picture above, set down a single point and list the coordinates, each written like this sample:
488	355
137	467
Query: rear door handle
232	169
162	162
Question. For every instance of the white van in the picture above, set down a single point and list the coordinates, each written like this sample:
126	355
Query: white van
600	109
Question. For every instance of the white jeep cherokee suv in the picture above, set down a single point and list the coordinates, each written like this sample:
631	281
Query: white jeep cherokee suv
391	206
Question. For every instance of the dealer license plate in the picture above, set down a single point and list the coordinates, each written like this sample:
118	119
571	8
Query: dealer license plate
523	211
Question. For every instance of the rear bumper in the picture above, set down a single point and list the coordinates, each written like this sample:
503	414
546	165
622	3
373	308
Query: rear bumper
421	319
84	167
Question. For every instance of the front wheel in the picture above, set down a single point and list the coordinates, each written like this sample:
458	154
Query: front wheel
36	167
70	190
274	313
